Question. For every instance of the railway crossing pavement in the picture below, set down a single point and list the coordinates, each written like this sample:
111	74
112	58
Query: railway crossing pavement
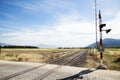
10	70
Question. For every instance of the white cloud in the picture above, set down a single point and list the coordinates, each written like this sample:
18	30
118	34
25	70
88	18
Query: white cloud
68	31
49	6
10	16
114	24
71	29
108	7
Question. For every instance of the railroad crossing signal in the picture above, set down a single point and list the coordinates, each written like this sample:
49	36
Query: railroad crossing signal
101	48
108	30
102	25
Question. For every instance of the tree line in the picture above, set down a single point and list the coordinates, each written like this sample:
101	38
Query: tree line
14	46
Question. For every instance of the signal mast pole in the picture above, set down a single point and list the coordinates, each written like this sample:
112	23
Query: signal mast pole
100	44
101	48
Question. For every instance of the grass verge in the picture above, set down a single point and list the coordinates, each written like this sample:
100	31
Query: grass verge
111	58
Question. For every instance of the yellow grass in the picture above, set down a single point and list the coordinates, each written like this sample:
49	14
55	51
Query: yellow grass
110	57
34	55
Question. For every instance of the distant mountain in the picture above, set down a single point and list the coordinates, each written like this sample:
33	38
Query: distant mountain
108	42
46	46
4	44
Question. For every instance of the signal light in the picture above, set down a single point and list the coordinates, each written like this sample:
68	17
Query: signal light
108	30
102	25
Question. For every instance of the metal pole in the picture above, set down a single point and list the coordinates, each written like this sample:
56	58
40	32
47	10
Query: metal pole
101	66
96	21
101	45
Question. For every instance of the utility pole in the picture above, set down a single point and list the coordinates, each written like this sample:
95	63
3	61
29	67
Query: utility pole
101	48
96	22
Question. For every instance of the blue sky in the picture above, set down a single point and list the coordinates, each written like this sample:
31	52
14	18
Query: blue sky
68	23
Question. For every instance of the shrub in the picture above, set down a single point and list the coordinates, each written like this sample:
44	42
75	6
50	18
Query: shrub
20	59
9	55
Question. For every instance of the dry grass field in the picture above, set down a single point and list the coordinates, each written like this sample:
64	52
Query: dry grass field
111	58
34	55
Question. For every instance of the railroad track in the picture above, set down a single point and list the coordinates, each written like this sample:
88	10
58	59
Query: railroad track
21	72
60	61
41	77
66	61
70	62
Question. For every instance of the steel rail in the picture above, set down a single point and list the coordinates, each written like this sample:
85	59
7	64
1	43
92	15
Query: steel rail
44	75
